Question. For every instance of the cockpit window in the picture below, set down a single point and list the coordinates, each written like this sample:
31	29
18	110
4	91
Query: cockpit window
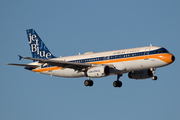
162	50
165	51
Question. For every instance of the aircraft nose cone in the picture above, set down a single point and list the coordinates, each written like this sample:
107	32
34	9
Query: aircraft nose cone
168	58
173	58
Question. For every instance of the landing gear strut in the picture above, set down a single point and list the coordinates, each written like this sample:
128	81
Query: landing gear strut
117	83
88	82
153	72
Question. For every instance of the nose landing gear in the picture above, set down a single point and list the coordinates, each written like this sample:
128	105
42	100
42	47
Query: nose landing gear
153	72
154	77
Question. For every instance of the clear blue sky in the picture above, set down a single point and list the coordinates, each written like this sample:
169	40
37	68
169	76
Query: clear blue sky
71	26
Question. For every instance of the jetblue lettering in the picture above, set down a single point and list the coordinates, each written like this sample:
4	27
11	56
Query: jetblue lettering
37	47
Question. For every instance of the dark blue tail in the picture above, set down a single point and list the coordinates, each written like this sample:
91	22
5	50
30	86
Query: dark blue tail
37	47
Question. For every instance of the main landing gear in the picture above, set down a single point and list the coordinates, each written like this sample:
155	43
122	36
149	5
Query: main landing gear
88	82
117	83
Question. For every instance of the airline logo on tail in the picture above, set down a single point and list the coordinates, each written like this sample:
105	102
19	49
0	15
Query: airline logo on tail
37	47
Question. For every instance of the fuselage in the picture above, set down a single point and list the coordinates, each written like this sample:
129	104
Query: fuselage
122	61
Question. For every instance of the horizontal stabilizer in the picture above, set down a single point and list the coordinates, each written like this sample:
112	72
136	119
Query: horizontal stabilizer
20	57
24	65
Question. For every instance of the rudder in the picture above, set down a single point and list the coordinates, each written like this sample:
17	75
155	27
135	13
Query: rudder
37	47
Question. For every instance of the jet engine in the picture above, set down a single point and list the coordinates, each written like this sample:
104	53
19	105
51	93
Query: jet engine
142	74
99	71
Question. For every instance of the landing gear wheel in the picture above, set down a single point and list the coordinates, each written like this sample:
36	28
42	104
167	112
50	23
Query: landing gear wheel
117	83
91	83
153	72
154	78
88	83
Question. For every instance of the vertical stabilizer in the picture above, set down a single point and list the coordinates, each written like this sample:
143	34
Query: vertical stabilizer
37	47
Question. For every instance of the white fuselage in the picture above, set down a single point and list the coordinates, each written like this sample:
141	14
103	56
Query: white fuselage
122	61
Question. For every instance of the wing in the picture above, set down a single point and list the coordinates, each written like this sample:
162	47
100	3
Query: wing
64	64
25	65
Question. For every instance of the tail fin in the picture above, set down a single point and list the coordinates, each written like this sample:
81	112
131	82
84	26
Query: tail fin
37	47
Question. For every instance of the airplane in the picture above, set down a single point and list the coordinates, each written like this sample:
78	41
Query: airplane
139	63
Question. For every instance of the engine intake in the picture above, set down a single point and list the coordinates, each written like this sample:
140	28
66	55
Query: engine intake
99	71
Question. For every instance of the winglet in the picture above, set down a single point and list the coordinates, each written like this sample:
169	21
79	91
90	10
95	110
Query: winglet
20	57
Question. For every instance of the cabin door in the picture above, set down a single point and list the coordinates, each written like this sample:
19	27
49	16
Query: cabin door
146	53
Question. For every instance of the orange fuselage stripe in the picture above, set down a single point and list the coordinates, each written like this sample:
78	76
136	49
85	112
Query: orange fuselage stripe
166	57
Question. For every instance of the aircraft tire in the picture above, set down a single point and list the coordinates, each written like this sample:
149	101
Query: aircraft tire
88	83
91	83
154	78
117	83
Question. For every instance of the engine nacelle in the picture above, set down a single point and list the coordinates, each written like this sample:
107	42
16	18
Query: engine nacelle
99	71
142	74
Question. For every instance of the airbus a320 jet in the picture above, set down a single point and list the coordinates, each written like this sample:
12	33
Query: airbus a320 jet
139	63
